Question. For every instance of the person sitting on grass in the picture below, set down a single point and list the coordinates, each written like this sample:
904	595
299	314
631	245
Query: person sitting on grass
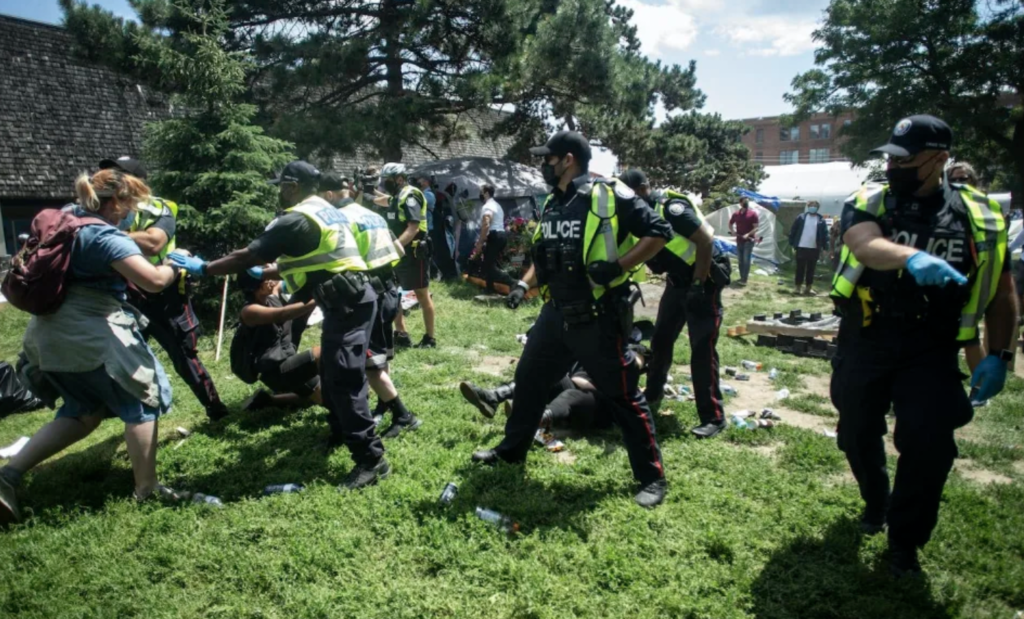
293	377
91	350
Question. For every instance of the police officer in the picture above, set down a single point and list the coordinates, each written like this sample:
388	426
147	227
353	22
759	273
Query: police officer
318	258
381	252
923	261
406	215
692	297
584	251
172	321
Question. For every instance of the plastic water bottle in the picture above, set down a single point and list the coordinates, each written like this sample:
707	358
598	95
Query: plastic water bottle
283	489
753	366
501	522
773	374
729	390
743	414
740	423
207	499
782	394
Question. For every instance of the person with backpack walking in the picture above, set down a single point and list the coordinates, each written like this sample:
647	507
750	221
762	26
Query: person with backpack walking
89	347
171	320
265	335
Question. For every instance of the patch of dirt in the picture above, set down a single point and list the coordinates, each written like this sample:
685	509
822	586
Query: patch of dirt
495	365
818	385
1018	467
565	457
972	472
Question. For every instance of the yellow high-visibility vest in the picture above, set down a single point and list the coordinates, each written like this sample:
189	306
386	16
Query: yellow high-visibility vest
680	246
375	240
147	215
988	232
337	252
403	195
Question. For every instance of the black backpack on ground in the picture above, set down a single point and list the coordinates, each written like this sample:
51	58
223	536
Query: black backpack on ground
15	397
244	363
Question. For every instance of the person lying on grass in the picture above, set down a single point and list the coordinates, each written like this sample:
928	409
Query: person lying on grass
293	377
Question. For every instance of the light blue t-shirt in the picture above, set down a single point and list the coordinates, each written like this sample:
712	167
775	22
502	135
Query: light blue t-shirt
96	247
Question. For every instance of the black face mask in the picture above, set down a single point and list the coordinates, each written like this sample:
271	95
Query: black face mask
903	181
391	186
550	173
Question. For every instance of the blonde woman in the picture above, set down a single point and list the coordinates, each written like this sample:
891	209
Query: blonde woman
90	350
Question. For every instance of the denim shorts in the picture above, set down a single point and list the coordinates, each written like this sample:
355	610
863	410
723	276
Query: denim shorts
95	392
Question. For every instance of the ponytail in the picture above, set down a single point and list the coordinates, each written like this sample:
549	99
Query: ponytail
86	194
110	184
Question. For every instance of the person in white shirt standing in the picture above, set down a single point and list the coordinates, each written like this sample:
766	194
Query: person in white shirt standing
808	236
492	240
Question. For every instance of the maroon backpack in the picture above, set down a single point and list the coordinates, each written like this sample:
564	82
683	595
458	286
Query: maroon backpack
37	281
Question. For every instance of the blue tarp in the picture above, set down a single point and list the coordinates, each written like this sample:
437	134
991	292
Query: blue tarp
765	201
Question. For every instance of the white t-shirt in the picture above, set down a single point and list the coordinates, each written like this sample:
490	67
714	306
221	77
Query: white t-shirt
809	236
492	208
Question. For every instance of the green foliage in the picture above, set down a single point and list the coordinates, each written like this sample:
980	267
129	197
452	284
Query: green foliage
956	59
696	152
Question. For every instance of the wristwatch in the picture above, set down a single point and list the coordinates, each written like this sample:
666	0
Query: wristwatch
1004	355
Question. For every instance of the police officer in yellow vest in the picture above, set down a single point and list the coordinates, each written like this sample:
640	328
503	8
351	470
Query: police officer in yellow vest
318	258
381	252
584	250
172	321
924	260
692	297
406	215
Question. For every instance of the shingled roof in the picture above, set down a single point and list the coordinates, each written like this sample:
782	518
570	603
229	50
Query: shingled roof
60	115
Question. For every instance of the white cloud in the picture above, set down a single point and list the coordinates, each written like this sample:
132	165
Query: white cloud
770	35
712	52
663	27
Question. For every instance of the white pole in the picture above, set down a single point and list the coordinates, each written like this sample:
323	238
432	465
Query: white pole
223	310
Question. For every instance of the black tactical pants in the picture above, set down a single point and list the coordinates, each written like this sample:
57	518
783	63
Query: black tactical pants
343	347
704	324
174	324
550	351
921	382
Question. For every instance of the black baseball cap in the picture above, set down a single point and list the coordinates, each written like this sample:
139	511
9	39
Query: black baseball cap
564	143
332	182
634	179
915	134
300	172
126	165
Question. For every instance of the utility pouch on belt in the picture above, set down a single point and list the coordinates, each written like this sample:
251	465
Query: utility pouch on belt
421	248
342	292
577	313
721	271
624	306
377	284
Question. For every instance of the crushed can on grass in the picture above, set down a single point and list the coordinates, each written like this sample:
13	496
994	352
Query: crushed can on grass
770	414
283	489
729	390
752	366
448	494
730	371
207	499
781	394
773	374
742	377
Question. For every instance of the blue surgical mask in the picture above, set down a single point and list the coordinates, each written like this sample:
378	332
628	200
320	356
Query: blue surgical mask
813	210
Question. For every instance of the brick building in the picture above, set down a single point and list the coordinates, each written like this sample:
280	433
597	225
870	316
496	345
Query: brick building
815	140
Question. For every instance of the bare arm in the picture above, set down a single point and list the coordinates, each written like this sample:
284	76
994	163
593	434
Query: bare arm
409	233
235	262
1001	316
485	228
643	251
256	315
140	272
703	239
151	241
873	250
530	277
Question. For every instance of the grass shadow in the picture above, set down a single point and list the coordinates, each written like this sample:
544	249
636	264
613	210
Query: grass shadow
825	577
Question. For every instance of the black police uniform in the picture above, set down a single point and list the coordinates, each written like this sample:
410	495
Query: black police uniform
343	343
906	360
173	323
382	335
413	270
677	308
599	344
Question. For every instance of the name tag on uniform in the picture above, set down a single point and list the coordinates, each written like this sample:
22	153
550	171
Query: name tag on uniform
391	215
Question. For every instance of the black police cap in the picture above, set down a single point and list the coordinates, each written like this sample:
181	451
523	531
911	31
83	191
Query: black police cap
300	172
332	182
564	143
915	134
634	179
126	165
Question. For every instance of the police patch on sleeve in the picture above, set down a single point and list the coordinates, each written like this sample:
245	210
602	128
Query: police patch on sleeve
412	202
623	191
676	208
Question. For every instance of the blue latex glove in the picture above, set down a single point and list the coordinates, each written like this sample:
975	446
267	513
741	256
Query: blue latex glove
991	376
931	271
193	264
255	272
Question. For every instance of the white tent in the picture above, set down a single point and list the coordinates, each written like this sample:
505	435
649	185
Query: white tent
774	246
828	183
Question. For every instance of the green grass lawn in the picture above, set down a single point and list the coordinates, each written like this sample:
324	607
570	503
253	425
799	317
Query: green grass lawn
756	524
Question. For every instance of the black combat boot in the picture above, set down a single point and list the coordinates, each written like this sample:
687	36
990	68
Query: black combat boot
486	400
